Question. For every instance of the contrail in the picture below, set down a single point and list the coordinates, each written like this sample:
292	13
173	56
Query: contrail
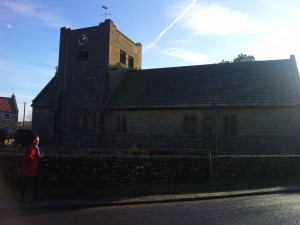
161	34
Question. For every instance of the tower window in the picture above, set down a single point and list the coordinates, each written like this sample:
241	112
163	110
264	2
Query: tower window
83	54
123	57
130	62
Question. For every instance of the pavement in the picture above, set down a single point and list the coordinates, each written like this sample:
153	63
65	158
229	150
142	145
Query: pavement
8	203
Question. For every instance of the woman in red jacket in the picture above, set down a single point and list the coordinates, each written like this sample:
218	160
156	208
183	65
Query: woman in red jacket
29	167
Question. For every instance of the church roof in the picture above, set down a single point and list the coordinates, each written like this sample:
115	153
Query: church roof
8	105
247	84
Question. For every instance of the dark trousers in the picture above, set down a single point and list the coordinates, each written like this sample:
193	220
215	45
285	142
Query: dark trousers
26	181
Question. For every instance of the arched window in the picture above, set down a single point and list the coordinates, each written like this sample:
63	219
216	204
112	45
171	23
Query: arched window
79	117
230	124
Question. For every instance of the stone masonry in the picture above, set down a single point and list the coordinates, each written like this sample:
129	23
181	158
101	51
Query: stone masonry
261	131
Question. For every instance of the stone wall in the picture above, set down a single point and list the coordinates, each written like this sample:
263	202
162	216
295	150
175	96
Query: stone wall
12	123
256	166
263	131
111	170
116	170
157	128
258	131
119	41
70	109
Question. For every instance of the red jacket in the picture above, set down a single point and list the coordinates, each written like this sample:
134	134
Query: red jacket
30	161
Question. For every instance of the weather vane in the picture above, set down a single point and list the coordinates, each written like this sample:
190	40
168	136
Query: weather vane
105	14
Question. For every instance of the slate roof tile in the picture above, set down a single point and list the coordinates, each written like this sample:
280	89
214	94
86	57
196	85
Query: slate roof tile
259	83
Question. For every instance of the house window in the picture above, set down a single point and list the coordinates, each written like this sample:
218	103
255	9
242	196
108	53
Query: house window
121	123
122	57
130	62
229	124
83	54
6	116
7	130
189	124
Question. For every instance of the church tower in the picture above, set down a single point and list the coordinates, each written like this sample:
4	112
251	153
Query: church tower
91	63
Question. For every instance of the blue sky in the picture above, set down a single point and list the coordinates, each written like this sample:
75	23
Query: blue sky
172	33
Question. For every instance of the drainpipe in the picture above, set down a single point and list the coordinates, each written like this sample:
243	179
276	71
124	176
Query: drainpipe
216	115
109	129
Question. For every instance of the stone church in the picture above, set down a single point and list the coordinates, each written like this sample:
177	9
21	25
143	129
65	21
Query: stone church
100	98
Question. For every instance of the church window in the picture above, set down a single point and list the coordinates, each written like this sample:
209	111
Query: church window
130	62
123	57
79	119
229	124
98	120
208	126
121	123
83	54
189	123
51	118
101	99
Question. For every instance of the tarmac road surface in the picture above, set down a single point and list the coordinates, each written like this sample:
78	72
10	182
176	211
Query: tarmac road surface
280	208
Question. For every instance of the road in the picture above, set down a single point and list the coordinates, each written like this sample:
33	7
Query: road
260	209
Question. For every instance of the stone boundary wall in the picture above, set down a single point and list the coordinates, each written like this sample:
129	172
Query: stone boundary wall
110	170
101	170
256	166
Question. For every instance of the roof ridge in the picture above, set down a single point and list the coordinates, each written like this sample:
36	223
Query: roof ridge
215	64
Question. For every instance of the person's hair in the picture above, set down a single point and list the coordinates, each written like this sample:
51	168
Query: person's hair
33	137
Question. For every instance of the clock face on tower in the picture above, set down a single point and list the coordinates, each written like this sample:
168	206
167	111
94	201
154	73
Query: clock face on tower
83	39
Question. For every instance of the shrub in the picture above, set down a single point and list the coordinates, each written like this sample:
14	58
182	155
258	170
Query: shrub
3	135
22	137
157	151
135	150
